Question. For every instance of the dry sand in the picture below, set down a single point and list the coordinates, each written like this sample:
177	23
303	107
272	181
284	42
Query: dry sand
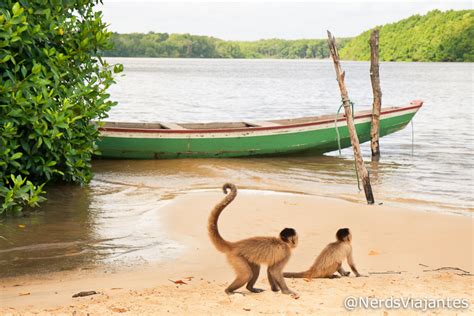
402	243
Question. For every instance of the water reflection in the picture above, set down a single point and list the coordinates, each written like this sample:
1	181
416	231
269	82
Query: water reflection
332	176
320	175
63	228
82	227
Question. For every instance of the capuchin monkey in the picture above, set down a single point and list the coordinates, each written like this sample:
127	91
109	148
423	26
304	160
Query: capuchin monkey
330	259
246	255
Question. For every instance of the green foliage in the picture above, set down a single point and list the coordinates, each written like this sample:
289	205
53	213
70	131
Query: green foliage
53	82
436	36
193	46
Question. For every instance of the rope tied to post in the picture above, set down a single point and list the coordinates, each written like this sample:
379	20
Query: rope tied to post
335	121
351	104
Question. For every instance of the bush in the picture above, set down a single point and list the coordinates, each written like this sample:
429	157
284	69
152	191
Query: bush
53	83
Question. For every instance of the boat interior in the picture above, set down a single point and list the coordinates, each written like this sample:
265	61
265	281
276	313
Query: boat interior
230	125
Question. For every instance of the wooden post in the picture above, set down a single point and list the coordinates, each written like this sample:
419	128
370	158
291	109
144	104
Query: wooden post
340	74
377	92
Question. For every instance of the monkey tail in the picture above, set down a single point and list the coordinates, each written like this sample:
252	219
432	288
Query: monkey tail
304	274
220	243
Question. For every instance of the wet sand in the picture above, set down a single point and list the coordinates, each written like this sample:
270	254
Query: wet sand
394	247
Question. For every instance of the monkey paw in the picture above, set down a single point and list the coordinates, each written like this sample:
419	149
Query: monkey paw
295	296
234	293
255	290
289	292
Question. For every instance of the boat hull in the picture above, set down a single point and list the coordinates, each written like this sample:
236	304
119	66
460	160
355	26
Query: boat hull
315	138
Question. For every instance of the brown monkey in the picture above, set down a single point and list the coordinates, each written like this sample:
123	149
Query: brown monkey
330	259
246	255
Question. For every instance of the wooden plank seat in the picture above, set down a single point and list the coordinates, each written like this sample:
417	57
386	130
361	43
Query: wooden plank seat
262	124
169	125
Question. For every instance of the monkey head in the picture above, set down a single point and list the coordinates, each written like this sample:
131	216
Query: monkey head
289	236
344	234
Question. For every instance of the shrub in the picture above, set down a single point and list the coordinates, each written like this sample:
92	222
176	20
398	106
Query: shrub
53	83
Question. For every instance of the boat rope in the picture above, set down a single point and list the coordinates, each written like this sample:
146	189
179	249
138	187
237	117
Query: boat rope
337	130
412	138
357	176
339	137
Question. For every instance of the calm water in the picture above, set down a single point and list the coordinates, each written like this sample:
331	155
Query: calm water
436	172
116	219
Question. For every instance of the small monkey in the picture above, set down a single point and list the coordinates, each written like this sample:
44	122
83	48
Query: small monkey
246	255
330	259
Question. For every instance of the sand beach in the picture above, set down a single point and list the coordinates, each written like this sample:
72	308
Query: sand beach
409	256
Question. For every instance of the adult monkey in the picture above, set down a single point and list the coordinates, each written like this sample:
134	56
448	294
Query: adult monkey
246	255
330	259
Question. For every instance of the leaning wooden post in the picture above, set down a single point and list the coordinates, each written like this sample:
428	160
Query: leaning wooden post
340	74
377	92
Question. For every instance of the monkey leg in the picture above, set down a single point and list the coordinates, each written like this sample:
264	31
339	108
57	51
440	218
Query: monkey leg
342	272
255	272
330	271
243	271
276	272
272	282
351	263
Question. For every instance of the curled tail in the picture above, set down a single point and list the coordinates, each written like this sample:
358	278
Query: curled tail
216	238
304	274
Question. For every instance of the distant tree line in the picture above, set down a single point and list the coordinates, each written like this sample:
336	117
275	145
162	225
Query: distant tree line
195	46
436	36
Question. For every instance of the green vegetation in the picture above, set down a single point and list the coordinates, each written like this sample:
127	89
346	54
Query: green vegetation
194	46
436	36
52	84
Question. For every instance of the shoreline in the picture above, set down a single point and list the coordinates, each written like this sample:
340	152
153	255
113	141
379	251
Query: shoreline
393	246
356	199
326	59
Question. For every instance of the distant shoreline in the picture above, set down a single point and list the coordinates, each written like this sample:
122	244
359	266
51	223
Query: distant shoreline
291	59
448	40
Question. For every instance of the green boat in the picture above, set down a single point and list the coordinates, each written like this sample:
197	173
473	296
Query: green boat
314	135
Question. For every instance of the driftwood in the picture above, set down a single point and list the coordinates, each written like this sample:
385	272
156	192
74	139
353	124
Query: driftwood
387	272
377	92
340	74
85	293
463	272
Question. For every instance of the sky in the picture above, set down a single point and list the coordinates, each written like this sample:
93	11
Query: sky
249	20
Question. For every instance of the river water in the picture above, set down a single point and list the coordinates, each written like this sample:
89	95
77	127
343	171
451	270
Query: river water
115	220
